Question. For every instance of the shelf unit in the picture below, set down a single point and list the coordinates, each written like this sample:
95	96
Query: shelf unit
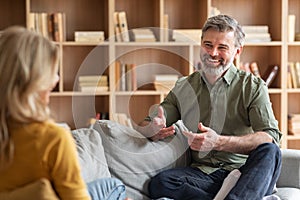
74	107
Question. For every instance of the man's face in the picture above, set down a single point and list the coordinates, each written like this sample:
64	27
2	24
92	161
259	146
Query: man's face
217	51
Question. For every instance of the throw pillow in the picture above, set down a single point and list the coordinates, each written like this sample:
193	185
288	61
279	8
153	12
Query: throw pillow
91	154
134	159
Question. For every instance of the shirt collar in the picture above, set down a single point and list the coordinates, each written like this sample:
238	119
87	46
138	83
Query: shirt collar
230	74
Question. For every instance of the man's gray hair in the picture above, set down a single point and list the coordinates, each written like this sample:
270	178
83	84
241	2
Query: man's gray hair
225	23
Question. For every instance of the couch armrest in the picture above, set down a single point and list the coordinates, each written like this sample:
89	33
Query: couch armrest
290	172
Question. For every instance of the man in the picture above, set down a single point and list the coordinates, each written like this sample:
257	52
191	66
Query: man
231	123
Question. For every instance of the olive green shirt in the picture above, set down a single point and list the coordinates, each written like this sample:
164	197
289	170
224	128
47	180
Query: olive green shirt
237	104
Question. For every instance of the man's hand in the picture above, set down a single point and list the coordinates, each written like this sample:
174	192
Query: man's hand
205	141
158	126
156	129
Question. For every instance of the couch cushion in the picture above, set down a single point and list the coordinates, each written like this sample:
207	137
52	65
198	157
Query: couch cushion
287	193
134	159
91	154
290	171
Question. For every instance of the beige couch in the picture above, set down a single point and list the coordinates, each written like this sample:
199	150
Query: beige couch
109	149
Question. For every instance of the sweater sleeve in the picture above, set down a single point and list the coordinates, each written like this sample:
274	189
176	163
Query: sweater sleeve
64	167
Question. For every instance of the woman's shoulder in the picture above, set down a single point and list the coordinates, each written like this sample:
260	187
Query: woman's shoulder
43	131
53	129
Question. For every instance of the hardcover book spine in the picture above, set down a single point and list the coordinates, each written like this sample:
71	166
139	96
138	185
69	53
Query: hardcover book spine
123	26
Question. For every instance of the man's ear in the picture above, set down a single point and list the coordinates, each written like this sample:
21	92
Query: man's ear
238	52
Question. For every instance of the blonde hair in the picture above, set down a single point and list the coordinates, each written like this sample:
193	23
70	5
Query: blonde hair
28	65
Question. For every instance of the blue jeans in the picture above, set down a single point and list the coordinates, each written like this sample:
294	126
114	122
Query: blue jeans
259	175
106	189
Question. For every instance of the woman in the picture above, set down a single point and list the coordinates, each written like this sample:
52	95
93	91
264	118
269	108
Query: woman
31	145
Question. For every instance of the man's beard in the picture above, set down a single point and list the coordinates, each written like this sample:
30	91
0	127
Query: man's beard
212	69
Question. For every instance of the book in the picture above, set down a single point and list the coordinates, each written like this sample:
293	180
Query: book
92	78
117	75
293	74
58	23
187	35
291	27
255	28
43	17
31	21
50	25
93	88
117	27
166	77
255	69
89	36
271	74
143	35
294	124
256	33
123	26
123	77
294	116
297	69
128	77
297	37
166	28
131	79
165	82
93	83
289	77
257	37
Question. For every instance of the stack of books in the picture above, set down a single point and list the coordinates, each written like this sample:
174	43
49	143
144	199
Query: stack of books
257	33
89	36
126	77
121	27
187	35
293	75
50	25
165	82
93	83
253	67
143	35
294	124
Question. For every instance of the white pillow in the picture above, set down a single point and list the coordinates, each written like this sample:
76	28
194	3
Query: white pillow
134	159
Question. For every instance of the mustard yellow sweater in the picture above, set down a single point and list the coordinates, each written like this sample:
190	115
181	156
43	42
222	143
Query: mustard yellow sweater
48	151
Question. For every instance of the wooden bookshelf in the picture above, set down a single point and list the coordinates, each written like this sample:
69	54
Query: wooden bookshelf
74	107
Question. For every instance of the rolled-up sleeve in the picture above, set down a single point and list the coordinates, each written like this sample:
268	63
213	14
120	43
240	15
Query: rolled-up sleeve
261	113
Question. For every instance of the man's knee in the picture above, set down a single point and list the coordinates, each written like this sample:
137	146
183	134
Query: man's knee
157	185
270	148
268	153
